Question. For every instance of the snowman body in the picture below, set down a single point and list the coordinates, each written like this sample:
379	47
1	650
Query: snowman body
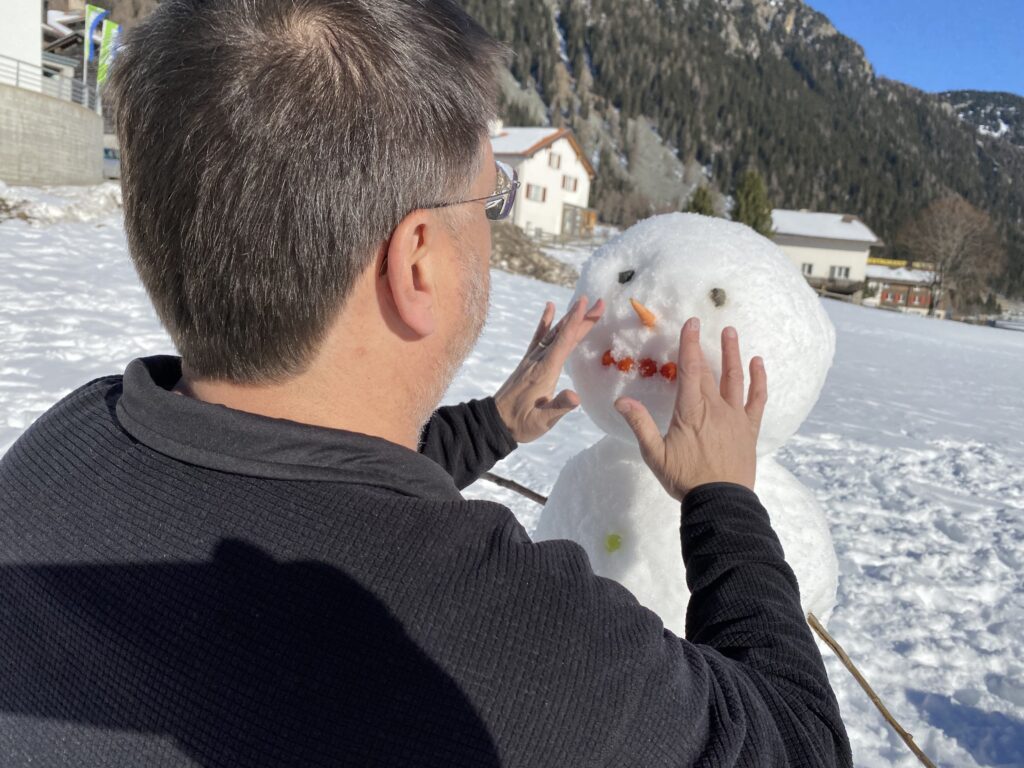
653	277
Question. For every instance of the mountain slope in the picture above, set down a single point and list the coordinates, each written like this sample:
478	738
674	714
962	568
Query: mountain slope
669	94
994	114
730	84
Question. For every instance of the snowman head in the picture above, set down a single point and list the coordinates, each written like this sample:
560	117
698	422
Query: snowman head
668	268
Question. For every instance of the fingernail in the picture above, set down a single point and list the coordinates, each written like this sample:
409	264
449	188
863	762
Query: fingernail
624	407
693	324
730	332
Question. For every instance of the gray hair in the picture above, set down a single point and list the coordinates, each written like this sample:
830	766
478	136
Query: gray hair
268	148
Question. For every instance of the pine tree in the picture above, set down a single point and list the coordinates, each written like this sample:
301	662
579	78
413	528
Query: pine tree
752	206
702	202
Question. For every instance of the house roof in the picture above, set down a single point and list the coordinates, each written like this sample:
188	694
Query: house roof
899	274
830	226
526	142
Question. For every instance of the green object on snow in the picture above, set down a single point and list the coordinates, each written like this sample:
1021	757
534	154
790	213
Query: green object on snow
612	542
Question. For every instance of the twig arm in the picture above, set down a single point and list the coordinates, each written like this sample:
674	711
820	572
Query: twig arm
837	649
512	485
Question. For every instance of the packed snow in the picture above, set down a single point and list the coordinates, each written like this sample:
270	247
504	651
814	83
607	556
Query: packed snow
915	450
677	265
652	278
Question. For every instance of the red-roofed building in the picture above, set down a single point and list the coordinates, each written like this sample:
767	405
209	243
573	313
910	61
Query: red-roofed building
905	288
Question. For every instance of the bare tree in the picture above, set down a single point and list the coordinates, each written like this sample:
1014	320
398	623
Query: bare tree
961	244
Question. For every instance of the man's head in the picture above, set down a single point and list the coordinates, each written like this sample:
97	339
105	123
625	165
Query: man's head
275	153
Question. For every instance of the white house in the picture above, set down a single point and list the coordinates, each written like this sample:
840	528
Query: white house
554	175
831	249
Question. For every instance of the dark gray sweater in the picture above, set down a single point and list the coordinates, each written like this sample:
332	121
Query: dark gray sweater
182	584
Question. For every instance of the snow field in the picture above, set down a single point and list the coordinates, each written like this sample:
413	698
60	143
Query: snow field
915	450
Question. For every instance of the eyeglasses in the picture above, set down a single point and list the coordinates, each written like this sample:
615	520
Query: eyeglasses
498	205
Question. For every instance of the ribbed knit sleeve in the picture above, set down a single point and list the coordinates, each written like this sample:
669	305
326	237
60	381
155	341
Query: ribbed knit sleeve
174	615
744	614
467	439
602	682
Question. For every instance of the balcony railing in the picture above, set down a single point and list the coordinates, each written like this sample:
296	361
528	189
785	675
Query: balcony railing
31	77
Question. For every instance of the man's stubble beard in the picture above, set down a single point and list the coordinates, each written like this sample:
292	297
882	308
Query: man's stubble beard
475	305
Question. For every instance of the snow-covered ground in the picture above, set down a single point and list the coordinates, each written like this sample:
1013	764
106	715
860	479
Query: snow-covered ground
916	450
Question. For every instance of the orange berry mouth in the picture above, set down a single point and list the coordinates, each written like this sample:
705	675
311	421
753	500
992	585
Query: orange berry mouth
647	367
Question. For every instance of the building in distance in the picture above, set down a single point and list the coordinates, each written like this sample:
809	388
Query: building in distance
554	176
831	249
901	286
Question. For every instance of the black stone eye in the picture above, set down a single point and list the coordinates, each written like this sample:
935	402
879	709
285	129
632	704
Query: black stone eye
625	277
718	296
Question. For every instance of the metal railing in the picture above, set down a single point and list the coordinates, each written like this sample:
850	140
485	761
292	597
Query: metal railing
22	74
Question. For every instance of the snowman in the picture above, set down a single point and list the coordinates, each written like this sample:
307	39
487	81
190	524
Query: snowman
652	278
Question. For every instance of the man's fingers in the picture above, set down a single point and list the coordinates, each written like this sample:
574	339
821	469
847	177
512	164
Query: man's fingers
544	326
691	361
757	396
572	328
568	325
555	332
564	402
731	386
590	318
648	436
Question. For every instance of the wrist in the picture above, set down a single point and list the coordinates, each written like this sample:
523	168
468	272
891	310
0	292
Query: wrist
712	486
503	407
722	479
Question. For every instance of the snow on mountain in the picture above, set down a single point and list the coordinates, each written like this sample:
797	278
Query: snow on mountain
915	449
993	114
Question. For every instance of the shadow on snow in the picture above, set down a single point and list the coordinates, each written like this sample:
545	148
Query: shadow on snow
992	738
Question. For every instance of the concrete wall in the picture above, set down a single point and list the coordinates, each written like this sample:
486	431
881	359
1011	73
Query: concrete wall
532	215
44	140
21	34
823	254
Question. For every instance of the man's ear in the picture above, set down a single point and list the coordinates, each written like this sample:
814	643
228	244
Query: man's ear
409	271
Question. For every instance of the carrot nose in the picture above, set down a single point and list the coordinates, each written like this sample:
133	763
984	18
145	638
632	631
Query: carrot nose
646	316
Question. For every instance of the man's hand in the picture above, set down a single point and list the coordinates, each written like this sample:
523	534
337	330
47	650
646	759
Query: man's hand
712	436
525	402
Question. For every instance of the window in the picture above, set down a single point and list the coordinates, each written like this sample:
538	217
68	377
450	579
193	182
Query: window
536	193
555	160
807	269
842	273
569	183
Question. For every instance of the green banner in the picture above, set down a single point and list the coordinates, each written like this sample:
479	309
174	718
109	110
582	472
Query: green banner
108	49
94	15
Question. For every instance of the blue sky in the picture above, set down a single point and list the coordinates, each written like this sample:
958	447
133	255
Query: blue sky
938	45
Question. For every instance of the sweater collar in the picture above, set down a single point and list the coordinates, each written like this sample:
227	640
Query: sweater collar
229	440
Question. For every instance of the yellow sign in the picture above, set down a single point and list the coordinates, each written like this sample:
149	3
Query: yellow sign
896	263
